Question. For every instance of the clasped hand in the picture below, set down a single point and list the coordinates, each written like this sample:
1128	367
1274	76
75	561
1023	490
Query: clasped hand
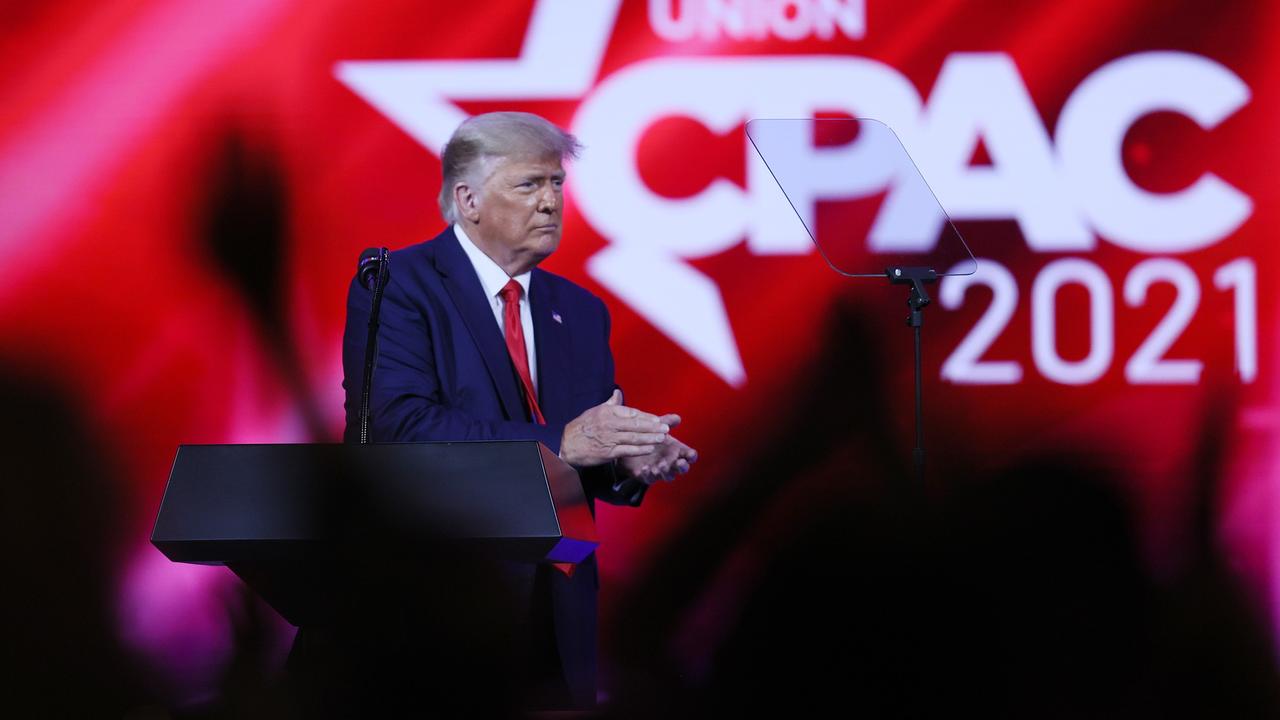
641	442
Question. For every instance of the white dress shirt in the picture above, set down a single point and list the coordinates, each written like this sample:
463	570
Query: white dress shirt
493	278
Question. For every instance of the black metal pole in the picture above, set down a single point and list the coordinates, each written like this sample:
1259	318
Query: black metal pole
917	300
917	455
371	345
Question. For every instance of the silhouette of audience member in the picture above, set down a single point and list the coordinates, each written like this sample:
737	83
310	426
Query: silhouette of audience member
57	513
1022	595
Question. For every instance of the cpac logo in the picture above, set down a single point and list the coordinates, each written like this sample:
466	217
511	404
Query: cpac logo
1063	194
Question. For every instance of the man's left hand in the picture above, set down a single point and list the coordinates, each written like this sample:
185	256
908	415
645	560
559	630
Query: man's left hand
669	459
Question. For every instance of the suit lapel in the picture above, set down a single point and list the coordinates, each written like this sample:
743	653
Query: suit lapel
550	343
468	297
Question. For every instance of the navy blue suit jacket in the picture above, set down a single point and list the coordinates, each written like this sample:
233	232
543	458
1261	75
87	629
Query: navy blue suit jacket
443	373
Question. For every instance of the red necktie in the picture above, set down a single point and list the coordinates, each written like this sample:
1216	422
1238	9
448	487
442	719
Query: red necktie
514	331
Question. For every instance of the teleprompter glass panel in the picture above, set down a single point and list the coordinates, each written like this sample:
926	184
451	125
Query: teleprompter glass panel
859	195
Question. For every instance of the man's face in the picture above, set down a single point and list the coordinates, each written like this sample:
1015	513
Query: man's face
520	210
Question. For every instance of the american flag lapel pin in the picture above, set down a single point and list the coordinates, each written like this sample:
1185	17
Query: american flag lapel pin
556	316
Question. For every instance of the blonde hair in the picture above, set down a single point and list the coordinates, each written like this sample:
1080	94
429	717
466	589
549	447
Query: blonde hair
482	138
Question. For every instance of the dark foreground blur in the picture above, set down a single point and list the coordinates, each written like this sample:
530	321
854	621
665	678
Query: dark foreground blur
1015	594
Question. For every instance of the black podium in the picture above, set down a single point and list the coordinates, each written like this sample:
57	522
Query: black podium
274	514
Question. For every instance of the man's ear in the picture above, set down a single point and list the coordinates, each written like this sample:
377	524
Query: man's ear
467	202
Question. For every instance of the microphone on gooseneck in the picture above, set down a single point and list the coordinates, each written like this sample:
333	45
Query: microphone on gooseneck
374	270
371	261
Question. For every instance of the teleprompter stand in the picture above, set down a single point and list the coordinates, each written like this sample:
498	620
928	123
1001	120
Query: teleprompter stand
868	210
917	300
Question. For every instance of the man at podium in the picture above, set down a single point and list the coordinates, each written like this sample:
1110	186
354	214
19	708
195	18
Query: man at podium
478	343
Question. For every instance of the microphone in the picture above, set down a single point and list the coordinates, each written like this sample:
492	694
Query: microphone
370	266
374	271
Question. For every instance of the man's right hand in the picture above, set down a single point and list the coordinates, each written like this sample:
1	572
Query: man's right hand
610	431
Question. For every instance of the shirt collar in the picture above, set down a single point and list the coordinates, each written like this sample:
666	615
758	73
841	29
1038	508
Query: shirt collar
492	277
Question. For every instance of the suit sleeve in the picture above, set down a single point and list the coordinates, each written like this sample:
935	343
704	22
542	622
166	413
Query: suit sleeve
407	402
